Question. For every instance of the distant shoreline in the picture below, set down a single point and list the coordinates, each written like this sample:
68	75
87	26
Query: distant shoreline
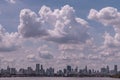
56	77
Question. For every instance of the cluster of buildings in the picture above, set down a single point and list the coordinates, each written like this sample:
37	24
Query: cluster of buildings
50	72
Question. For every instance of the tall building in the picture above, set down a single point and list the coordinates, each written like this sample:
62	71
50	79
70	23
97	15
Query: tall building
37	70
8	70
50	72
108	69
86	69
115	68
13	71
41	67
29	70
103	71
69	69
76	69
42	71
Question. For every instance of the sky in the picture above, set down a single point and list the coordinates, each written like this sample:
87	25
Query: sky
59	32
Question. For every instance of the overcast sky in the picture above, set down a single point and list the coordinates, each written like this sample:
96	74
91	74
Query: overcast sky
59	33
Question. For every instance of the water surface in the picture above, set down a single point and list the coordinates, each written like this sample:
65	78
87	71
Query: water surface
57	78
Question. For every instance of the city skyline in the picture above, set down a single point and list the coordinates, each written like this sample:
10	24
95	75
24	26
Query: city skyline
59	33
68	71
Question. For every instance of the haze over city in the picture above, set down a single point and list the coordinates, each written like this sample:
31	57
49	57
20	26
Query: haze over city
59	32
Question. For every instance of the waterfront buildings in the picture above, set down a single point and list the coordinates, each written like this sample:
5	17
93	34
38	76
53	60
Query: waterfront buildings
50	72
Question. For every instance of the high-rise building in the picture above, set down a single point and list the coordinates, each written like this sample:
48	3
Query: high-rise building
29	70
41	67
50	72
86	69
13	71
42	71
8	70
65	71
115	68
37	70
108	69
69	69
103	71
76	69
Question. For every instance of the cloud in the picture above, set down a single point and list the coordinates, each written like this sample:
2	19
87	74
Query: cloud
108	16
44	52
8	41
111	41
31	58
45	55
60	25
30	25
11	1
67	28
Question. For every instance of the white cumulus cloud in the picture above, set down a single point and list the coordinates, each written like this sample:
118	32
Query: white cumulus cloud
8	41
108	16
30	25
60	25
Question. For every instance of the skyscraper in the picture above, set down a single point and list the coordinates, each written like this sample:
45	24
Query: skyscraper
86	69
115	68
37	70
41	67
108	69
69	69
